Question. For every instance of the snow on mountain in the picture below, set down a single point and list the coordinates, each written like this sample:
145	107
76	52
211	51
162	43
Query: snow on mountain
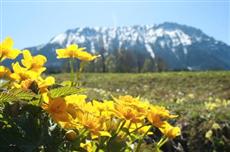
150	50
147	34
179	46
59	38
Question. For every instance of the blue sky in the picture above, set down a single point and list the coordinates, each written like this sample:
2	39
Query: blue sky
34	22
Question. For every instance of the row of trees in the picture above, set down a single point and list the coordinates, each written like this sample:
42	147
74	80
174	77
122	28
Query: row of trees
126	62
120	64
120	61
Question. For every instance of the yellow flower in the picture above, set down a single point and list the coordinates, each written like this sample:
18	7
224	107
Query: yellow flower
140	128
87	115
71	109
76	99
57	108
135	103
21	73
35	85
209	134
72	124
85	56
103	109
4	72
157	114
78	104
94	125
128	113
7	50
25	84
211	105
73	51
43	84
191	96
144	129
111	125
170	131
35	63
91	122
127	100
129	108
88	146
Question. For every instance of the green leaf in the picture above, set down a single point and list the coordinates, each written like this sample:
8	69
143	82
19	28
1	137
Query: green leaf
16	95
64	91
67	83
23	95
7	97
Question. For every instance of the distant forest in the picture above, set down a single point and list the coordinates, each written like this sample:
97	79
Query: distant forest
122	61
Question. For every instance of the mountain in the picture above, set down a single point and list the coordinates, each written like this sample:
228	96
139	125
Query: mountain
167	46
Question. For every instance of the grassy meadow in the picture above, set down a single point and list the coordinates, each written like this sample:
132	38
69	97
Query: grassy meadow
157	87
201	99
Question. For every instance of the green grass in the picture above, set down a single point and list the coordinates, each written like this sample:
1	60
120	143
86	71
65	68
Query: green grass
159	86
183	93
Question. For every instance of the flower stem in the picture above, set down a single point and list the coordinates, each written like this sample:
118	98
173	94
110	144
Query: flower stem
141	141
162	142
137	129
71	71
120	126
78	74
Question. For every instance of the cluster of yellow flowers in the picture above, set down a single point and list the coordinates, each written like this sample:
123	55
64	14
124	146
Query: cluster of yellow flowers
122	117
213	104
25	75
126	119
29	73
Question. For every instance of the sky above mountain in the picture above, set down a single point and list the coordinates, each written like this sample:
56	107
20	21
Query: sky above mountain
33	22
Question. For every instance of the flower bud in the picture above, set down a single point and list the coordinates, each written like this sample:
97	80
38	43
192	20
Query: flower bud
70	135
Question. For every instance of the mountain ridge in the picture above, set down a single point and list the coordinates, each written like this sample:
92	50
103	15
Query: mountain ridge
171	45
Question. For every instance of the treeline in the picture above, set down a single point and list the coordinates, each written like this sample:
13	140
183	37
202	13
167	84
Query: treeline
126	63
121	61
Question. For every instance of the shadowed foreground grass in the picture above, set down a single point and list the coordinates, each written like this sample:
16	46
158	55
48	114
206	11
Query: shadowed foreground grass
201	99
